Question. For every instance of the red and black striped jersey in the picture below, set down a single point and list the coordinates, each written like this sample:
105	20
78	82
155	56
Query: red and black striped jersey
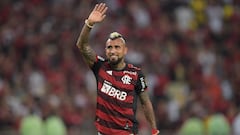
117	92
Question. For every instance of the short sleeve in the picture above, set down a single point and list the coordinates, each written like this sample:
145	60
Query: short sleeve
96	66
141	83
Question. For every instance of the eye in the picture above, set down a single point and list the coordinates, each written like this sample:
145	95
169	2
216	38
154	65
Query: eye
109	47
117	47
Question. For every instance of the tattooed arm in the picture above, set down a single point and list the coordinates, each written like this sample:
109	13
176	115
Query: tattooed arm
148	111
97	15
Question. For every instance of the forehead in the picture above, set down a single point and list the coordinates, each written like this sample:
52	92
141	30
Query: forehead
118	41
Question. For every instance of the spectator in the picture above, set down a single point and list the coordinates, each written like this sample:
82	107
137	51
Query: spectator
236	125
32	124
193	126
217	124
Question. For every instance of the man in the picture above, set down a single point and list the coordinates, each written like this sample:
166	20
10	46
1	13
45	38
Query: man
118	83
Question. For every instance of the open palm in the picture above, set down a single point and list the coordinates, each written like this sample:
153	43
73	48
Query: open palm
98	13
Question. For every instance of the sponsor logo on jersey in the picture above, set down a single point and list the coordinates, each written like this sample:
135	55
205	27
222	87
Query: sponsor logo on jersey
143	83
111	91
130	72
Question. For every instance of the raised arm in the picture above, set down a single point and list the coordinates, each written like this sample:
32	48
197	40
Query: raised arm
148	111
97	15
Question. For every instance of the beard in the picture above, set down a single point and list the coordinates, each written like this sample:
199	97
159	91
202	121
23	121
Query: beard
114	62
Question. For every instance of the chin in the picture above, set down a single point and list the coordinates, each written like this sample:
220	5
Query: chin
113	62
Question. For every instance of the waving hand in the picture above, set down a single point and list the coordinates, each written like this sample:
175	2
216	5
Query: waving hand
97	14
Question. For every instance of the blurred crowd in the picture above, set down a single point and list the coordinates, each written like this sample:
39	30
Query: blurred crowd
189	51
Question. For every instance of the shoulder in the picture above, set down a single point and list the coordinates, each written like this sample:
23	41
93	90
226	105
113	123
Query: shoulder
133	67
100	58
98	63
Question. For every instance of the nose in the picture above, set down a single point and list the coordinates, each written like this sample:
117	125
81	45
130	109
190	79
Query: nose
112	50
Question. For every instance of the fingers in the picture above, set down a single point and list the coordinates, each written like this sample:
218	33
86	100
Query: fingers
102	8
103	16
95	8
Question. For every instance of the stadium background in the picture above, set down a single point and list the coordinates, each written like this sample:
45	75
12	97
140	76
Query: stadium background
188	49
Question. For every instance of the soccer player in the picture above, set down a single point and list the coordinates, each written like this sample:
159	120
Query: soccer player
119	84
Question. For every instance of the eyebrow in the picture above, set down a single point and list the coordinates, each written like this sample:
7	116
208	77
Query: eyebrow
113	45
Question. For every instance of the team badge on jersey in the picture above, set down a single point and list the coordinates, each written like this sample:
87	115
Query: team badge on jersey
126	79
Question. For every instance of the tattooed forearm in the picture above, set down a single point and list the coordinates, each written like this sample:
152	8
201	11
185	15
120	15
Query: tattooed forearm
148	109
83	45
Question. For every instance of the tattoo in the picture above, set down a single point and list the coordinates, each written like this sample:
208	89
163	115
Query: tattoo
144	98
147	108
87	52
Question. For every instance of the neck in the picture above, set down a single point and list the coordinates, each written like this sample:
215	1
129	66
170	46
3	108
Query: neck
119	66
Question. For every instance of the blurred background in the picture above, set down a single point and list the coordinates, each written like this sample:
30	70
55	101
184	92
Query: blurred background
189	51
